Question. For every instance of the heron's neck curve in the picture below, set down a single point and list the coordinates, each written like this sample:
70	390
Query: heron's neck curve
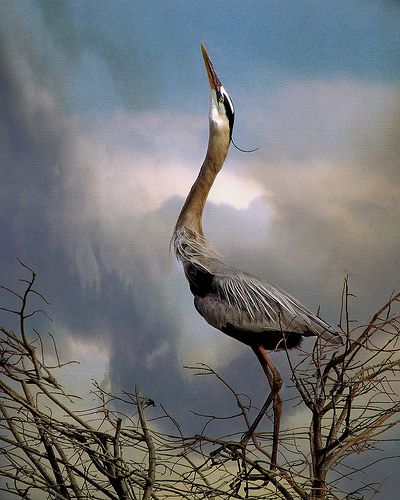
192	212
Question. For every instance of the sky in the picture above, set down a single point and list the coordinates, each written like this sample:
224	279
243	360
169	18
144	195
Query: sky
103	128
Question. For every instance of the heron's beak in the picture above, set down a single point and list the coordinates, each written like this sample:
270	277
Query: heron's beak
215	82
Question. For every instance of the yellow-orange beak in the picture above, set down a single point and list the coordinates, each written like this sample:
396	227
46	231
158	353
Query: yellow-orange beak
215	82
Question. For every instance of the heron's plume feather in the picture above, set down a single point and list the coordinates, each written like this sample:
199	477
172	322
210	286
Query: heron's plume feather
192	247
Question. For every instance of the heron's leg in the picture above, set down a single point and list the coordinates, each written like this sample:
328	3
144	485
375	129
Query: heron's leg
275	382
275	385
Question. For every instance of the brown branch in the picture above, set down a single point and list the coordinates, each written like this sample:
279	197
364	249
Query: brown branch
19	441
151	471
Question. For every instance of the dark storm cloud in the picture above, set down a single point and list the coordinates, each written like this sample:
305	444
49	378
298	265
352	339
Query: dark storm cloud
31	140
97	63
111	281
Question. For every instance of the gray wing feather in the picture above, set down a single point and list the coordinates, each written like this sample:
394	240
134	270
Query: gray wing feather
247	302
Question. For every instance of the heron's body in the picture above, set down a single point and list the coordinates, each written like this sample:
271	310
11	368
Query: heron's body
250	311
240	305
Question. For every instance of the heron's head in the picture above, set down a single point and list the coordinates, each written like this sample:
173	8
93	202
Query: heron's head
222	112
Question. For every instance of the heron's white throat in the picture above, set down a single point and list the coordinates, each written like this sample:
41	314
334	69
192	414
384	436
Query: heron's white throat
217	111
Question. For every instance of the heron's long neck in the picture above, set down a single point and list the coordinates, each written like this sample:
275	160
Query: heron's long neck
192	211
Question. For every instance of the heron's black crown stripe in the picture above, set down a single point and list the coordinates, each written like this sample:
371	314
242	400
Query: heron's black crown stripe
230	114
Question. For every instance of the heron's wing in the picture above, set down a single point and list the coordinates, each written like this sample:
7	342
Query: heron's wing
227	296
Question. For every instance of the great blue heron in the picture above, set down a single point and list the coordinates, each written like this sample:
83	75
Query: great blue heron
236	303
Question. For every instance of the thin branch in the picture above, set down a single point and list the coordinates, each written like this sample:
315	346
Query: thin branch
151	471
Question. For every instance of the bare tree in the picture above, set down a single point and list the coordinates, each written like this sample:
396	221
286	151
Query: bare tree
352	403
55	447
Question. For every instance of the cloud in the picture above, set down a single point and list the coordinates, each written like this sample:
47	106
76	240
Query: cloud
91	207
90	203
107	194
331	170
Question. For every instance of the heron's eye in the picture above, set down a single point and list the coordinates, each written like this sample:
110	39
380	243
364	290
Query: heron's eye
221	99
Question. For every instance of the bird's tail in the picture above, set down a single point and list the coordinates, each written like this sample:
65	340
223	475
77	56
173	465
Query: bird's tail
325	331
